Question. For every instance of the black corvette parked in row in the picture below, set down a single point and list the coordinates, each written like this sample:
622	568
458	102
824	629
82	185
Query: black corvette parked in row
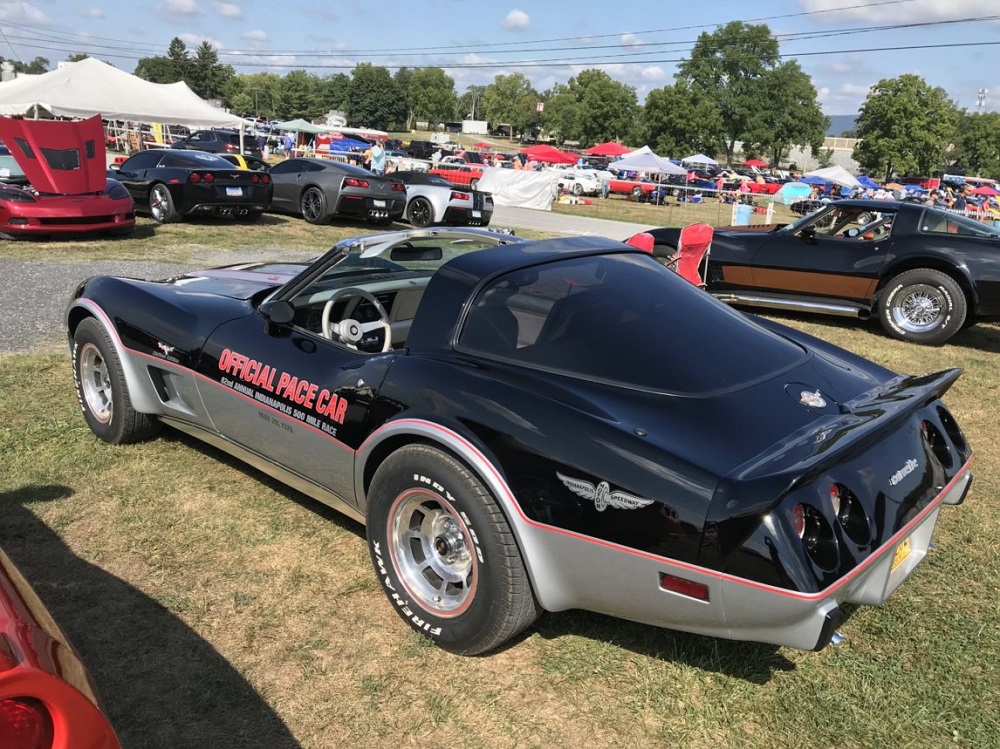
320	190
172	184
519	430
925	273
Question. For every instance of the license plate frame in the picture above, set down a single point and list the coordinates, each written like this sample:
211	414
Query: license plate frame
234	192
378	203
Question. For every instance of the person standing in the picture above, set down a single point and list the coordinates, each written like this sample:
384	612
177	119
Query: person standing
378	158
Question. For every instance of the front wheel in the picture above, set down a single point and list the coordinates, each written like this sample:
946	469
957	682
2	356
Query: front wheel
923	306
102	391
637	193
444	553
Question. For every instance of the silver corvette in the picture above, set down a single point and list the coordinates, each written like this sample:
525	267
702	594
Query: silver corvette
431	199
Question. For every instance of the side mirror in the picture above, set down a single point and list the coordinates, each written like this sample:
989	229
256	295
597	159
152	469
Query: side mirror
115	167
808	235
280	312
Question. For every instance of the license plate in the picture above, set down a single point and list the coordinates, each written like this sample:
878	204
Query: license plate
378	203
234	192
902	552
477	214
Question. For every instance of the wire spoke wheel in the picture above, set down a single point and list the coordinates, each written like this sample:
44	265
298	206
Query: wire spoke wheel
920	308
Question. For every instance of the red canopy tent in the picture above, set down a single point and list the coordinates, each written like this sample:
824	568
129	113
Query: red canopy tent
755	162
549	154
985	190
608	149
483	146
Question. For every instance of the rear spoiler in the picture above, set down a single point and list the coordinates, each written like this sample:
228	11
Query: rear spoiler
765	479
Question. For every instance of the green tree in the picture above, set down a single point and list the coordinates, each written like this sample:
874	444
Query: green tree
679	121
257	93
335	90
905	125
607	108
170	69
402	78
432	95
977	144
35	67
727	66
788	114
77	57
562	113
207	77
373	98
510	99
300	96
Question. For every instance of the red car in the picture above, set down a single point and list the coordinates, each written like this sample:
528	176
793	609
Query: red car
46	697
463	175
68	191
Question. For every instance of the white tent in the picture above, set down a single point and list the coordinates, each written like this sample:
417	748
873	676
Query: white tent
836	174
89	87
700	158
644	160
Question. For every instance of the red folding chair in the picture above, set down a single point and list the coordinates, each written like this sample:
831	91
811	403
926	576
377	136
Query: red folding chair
692	249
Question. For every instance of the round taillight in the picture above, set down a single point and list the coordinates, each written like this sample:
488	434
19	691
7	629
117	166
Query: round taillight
209	177
25	724
835	499
254	179
265	179
850	514
799	520
952	429
195	178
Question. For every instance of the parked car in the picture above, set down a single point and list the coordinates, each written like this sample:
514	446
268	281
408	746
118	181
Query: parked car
219	141
462	175
47	698
173	185
57	183
421	149
580	181
520	431
923	272
430	199
320	190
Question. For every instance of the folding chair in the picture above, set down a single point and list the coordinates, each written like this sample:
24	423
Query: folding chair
693	248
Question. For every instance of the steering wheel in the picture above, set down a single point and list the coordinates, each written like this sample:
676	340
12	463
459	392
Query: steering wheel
349	331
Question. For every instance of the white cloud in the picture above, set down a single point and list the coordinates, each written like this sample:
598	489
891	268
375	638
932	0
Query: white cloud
193	41
516	20
653	73
229	10
92	12
257	36
910	11
22	12
631	40
181	7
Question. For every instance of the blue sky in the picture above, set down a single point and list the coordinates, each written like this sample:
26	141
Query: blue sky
636	42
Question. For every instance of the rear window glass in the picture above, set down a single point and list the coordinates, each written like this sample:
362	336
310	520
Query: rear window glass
940	222
625	319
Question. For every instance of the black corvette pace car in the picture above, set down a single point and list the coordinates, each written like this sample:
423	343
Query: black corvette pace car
172	184
924	272
519	430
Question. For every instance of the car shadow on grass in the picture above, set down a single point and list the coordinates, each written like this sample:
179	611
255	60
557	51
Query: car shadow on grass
749	661
161	683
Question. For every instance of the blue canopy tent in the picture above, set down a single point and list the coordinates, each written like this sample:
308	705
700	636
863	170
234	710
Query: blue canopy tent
868	183
347	144
913	188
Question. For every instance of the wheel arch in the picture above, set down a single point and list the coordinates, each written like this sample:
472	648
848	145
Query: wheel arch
941	265
480	461
140	388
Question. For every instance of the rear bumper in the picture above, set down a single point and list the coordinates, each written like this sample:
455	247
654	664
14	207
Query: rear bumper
366	207
468	216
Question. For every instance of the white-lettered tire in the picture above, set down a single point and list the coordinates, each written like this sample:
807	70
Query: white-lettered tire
922	305
444	553
102	391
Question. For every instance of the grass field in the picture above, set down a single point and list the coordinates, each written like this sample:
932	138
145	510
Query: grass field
217	608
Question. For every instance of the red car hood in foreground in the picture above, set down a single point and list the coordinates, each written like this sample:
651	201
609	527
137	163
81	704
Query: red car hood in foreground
63	158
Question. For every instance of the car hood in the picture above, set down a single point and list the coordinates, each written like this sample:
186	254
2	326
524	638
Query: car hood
238	281
66	158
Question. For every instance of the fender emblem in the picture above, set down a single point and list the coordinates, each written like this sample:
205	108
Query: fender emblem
908	467
602	496
167	350
813	400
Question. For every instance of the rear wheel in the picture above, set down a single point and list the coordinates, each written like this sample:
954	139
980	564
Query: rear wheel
444	553
420	212
161	204
637	193
102	390
578	189
922	305
312	204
